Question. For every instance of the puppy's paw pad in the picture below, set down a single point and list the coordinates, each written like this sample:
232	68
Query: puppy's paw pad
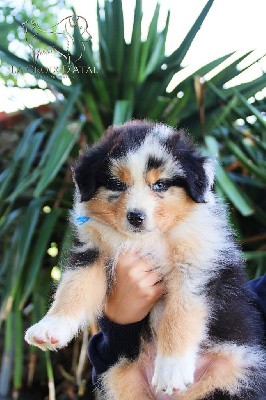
51	332
173	373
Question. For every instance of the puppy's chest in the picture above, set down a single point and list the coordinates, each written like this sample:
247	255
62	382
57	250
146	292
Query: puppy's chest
154	248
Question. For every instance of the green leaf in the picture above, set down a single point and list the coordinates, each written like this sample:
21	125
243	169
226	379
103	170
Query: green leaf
148	45
92	106
123	111
18	365
132	66
50	375
7	175
7	220
248	89
7	357
176	58
38	253
219	115
252	255
259	171
60	125
157	111
58	155
18	252
156	58
235	195
200	72
252	109
31	154
229	72
118	42
24	184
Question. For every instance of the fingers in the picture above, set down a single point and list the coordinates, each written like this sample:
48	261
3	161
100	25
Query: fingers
132	261
135	290
139	272
151	278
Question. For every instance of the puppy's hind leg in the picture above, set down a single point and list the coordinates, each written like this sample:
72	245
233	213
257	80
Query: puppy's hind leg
78	298
125	381
229	372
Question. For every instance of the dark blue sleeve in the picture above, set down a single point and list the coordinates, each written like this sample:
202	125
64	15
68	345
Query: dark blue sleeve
257	290
112	342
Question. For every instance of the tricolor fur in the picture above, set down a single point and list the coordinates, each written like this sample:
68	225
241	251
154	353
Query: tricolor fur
145	187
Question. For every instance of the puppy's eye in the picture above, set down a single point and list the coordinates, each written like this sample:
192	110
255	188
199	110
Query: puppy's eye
116	185
160	186
120	186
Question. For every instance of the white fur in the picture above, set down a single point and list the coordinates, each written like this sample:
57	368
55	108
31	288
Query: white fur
209	170
140	198
83	248
61	328
174	372
205	258
162	131
136	160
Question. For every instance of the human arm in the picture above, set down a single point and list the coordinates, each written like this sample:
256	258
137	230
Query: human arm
257	290
135	290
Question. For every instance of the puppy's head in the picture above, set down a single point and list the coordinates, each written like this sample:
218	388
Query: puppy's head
142	177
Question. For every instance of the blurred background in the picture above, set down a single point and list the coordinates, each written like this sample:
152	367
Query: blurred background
69	69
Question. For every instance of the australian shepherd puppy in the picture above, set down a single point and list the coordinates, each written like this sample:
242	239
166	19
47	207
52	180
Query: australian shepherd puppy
145	188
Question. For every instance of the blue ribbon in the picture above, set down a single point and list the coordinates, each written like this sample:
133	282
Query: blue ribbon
82	219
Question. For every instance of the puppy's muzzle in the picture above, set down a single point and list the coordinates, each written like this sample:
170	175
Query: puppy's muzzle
136	218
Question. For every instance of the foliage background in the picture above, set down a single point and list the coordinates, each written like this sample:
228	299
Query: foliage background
129	80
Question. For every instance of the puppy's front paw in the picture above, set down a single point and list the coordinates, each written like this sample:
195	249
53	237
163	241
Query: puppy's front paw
173	373
52	332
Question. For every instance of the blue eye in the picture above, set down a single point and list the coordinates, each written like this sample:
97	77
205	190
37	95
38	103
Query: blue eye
160	186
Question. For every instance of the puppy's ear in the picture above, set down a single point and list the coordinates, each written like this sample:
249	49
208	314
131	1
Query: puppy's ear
197	169
87	169
199	173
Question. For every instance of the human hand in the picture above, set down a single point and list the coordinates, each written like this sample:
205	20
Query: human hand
135	290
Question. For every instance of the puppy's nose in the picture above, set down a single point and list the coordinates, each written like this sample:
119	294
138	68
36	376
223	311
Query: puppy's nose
136	217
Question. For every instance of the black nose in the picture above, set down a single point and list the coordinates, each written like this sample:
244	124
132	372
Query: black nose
136	217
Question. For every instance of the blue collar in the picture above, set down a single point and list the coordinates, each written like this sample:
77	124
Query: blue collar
82	219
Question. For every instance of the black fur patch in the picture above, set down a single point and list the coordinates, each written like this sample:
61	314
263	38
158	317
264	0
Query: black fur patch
234	318
154	163
128	136
82	259
87	169
192	163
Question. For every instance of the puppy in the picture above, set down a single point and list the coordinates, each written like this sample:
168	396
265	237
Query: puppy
144	187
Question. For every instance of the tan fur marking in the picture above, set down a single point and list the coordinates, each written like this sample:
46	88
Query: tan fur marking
186	246
82	290
125	382
175	206
123	174
183	321
112	214
222	372
153	175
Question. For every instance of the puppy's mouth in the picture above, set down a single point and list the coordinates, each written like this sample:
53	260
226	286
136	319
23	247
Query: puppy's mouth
140	230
